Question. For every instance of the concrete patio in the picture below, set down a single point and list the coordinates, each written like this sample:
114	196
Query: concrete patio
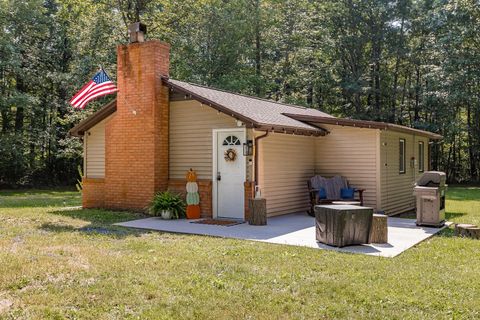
297	230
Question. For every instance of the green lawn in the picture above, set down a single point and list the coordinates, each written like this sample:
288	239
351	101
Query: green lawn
58	263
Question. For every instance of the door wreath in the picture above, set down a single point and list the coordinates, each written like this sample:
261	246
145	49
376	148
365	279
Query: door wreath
230	155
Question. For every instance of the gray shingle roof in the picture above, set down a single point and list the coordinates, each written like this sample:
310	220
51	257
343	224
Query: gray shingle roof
260	112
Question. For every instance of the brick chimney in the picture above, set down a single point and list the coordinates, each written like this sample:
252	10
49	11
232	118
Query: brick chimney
136	151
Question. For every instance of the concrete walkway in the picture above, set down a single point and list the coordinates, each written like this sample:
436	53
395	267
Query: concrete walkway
294	229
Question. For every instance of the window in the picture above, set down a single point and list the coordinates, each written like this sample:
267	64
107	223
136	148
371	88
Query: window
231	141
421	155
401	152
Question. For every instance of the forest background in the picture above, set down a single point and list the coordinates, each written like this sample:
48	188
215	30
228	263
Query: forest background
411	62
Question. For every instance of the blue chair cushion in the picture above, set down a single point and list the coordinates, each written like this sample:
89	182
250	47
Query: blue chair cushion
347	193
322	193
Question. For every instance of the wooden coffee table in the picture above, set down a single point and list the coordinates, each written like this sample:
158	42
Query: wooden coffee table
343	225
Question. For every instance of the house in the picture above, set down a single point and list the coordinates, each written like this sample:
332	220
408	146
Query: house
158	128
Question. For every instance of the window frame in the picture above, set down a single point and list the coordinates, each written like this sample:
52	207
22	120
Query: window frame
402	163
231	140
421	156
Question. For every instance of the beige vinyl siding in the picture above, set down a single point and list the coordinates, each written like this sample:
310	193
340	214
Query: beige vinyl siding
286	162
190	133
352	153
94	151
397	188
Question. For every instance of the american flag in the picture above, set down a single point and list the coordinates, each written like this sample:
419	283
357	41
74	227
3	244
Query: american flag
100	85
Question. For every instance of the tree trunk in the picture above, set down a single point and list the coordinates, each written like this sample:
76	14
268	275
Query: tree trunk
393	109
379	230
258	49
467	230
416	111
258	212
5	121
471	152
19	115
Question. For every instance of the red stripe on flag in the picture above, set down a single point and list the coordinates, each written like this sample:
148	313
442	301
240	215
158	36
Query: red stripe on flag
85	89
96	95
103	93
93	91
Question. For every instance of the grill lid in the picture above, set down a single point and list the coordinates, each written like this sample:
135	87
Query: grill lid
432	179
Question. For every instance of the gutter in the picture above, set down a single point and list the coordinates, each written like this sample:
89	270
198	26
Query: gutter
363	124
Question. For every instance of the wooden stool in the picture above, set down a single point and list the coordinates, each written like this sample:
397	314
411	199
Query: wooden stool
258	212
379	230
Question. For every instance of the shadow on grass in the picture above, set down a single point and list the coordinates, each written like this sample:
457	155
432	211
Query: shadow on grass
98	216
446	233
100	222
452	215
96	230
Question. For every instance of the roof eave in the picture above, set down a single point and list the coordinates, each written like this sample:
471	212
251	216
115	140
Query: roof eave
250	123
292	130
364	124
93	119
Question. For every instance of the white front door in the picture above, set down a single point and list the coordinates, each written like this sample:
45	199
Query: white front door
229	173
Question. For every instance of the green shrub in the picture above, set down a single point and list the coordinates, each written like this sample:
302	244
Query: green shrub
167	200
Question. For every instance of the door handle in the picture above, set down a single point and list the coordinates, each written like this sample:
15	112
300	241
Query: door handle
219	177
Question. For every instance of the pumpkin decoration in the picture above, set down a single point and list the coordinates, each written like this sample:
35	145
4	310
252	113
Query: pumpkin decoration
193	198
191	176
192	187
193	212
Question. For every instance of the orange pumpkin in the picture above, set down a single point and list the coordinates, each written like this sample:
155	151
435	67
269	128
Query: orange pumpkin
191	176
193	212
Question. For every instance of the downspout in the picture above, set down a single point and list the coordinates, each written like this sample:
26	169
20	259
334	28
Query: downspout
256	156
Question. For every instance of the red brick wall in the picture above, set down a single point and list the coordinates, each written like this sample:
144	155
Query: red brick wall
93	193
136	148
204	190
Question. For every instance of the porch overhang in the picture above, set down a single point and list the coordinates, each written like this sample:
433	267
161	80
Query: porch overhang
315	120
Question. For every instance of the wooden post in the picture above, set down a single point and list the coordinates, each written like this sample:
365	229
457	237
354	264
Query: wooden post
258	212
379	230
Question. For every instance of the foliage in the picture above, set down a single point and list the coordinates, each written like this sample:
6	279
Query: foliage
167	200
79	184
409	62
57	261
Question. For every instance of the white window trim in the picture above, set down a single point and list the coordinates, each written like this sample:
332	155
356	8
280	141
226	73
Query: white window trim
403	160
421	157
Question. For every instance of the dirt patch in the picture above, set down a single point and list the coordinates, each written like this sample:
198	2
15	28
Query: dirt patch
5	305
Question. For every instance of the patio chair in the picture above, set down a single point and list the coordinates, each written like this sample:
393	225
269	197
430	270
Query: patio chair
324	190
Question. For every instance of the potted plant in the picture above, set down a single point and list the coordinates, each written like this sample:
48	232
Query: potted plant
167	205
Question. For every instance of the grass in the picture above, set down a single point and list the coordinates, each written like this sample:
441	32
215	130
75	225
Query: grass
58	262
